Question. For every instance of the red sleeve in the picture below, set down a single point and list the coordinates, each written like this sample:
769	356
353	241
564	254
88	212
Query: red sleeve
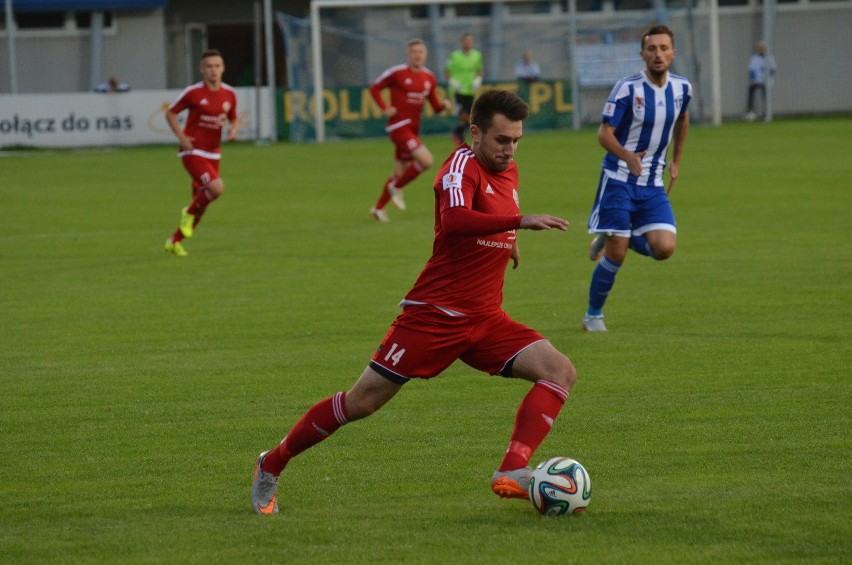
433	97
232	114
376	92
179	105
459	220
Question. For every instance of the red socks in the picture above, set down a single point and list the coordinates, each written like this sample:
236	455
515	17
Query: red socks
197	208
533	421
411	172
320	421
199	204
385	196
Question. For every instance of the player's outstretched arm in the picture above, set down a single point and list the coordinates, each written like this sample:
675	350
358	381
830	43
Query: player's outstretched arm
543	222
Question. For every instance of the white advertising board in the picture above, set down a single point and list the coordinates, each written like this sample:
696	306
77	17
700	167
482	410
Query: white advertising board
98	120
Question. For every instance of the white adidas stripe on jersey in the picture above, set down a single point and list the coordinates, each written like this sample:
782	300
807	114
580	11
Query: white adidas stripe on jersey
460	159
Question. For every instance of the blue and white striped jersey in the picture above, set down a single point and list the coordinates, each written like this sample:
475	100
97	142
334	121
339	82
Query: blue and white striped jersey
643	116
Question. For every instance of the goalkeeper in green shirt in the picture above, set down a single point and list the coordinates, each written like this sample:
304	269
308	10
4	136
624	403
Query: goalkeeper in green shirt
464	76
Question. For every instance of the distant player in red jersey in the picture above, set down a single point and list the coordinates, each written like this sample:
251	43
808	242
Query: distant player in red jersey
211	104
454	311
410	86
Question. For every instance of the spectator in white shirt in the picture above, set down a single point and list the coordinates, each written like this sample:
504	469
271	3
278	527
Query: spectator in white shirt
761	67
526	69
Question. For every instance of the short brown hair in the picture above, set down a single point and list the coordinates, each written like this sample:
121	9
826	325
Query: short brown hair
657	29
494	102
211	53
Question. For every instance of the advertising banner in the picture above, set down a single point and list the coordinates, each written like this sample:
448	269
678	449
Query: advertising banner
351	112
94	119
138	117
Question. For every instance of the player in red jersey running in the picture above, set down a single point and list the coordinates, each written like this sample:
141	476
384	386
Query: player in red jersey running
454	311
211	104
410	85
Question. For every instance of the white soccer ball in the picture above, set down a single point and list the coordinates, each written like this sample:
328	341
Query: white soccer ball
560	486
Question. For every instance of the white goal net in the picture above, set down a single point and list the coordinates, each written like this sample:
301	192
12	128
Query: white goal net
348	43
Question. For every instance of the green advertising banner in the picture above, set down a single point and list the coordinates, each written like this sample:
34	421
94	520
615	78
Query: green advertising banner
351	112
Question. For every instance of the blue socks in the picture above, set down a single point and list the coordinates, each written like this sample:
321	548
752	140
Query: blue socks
603	278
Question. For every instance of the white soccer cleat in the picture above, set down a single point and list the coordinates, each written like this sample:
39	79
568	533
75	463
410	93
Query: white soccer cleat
596	246
593	323
379	214
512	484
396	196
264	489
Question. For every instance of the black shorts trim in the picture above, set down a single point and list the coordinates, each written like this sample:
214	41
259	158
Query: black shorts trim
388	374
506	371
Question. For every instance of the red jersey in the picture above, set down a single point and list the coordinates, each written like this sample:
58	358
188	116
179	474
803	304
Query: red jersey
209	110
409	90
476	215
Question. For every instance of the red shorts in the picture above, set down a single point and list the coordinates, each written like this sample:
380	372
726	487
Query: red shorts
423	341
406	141
202	170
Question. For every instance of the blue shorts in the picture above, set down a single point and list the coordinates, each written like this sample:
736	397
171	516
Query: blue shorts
624	209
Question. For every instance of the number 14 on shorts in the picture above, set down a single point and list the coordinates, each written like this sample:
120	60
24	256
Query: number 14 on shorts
393	355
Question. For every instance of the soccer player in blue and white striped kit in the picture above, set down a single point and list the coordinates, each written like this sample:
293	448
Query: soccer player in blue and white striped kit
644	114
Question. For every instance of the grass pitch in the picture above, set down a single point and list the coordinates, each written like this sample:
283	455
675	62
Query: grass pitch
139	387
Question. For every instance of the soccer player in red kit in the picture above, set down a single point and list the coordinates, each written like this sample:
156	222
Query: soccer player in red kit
410	85
211	104
454	311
